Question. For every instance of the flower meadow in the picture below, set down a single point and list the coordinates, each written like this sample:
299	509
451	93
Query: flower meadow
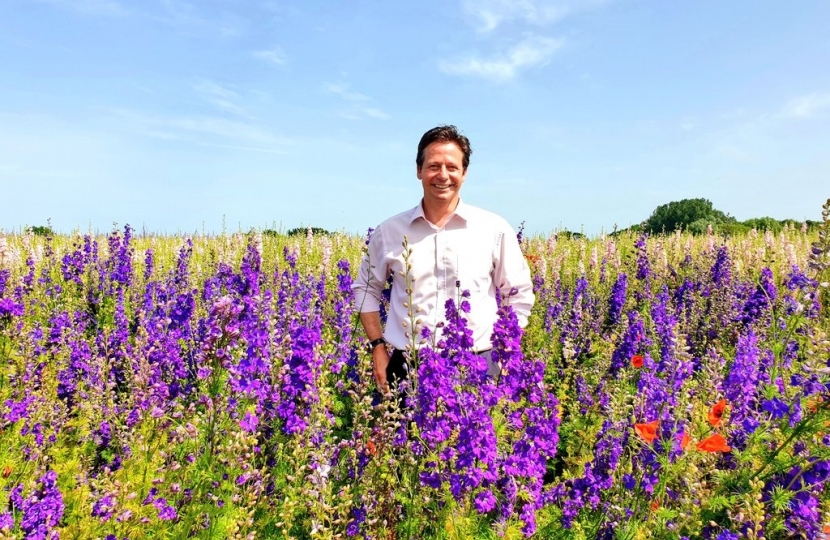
666	387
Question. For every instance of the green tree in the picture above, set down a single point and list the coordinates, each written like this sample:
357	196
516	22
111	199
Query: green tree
732	229
41	230
302	231
694	215
764	224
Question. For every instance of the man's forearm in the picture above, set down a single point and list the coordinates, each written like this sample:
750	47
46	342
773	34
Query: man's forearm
380	355
371	324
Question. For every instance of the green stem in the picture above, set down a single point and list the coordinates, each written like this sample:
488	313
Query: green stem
797	431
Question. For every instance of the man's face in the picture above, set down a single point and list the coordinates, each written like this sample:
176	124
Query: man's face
442	172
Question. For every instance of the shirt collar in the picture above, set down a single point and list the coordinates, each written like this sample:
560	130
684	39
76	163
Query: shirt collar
462	211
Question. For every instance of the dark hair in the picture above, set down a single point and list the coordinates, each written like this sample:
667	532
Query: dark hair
444	134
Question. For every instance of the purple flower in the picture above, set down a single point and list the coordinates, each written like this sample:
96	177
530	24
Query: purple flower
485	501
643	265
166	512
249	422
760	301
776	408
616	301
290	256
104	507
722	269
119	266
598	475
18	409
345	354
664	323
298	386
150	496
358	517
454	395
807	484
633	342
741	386
73	264
43	508
9	308
581	320
4	279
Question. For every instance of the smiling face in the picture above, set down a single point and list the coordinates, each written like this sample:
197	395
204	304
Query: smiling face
442	173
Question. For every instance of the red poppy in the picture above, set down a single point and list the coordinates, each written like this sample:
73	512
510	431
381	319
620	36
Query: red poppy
370	446
715	443
637	361
7	471
684	440
647	431
716	414
655	504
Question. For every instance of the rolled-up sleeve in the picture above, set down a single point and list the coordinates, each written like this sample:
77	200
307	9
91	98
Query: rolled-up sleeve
371	277
512	276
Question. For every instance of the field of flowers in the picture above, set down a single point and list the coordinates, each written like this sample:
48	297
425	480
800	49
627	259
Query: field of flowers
218	387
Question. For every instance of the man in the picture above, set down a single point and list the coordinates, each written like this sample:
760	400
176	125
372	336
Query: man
450	247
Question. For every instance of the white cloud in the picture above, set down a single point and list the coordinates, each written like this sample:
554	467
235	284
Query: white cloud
197	128
343	91
516	15
221	97
223	128
375	113
211	88
807	106
361	113
275	56
532	51
492	13
360	108
200	19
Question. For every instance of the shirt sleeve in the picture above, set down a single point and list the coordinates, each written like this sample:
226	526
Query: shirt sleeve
512	276
371	276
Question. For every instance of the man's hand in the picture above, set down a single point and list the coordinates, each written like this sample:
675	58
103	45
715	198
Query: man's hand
380	355
380	361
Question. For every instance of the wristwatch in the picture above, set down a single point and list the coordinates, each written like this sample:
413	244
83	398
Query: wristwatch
374	343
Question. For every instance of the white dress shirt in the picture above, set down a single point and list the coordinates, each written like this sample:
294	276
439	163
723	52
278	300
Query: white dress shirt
475	249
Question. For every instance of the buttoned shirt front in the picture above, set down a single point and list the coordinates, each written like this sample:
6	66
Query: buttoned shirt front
475	251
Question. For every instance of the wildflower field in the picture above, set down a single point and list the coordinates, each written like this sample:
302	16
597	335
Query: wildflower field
217	387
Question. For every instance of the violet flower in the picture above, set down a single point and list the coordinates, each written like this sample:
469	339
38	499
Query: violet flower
43	509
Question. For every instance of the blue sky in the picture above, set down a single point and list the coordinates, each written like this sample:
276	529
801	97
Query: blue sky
179	117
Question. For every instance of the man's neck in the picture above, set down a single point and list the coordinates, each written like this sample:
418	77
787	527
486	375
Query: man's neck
438	212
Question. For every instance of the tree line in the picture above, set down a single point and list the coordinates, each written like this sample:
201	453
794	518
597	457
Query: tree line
697	216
